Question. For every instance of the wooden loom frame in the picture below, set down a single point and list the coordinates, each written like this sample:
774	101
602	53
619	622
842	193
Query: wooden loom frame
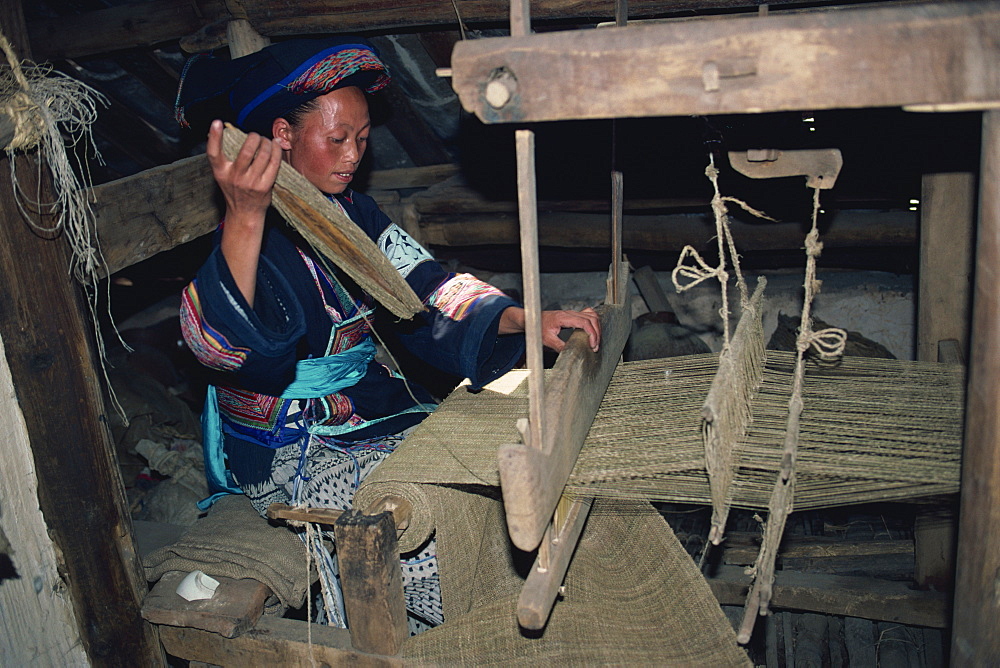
501	81
956	68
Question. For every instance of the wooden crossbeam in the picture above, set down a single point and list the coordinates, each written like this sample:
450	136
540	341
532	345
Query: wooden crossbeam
868	598
148	23
164	207
161	208
272	642
935	56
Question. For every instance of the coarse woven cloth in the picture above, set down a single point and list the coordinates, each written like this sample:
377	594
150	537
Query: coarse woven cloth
234	541
632	596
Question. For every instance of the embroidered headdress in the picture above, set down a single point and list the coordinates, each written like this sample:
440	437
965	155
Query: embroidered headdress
254	90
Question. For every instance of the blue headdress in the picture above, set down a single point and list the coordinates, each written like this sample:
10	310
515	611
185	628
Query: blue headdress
254	90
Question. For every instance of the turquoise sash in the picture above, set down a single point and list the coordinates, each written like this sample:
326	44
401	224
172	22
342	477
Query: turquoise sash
314	378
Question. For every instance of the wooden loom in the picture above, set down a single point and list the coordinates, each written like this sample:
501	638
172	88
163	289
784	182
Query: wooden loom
537	468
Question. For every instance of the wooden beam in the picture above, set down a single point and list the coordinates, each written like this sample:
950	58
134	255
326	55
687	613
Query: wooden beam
147	23
670	232
454	197
125	129
161	208
947	230
243	39
411	177
155	210
527	202
121	27
368	556
977	603
33	600
234	608
273	642
868	598
927	54
533	479
540	588
53	367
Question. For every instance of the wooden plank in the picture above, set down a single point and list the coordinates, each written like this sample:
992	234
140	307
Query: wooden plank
540	588
400	508
670	232
977	606
234	609
273	642
533	479
455	196
32	600
528	238
812	647
411	177
651	291
745	553
929	54
618	290
121	27
947	221
372	582
243	39
949	351
883	600
6	130
155	210
148	23
314	16
53	370
164	207
934	533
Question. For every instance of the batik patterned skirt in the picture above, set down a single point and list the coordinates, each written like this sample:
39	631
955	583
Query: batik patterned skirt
329	473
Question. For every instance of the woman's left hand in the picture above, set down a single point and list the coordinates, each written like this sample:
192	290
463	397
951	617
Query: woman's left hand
512	321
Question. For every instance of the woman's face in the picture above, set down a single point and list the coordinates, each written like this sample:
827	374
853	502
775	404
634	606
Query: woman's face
327	145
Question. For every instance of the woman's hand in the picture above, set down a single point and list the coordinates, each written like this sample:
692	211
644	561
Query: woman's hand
512	321
247	181
246	185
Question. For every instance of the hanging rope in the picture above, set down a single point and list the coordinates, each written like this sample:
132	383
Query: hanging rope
701	270
44	105
829	343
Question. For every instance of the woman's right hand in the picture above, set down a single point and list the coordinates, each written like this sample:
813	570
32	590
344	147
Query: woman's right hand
247	181
246	184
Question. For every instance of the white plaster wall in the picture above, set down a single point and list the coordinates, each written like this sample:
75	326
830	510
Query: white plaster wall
37	623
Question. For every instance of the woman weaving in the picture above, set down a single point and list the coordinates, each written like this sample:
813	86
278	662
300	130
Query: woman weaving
265	308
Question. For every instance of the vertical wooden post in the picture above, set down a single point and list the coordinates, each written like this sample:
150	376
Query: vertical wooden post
527	206
946	234
520	18
243	39
946	240
618	290
368	556
975	641
52	363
